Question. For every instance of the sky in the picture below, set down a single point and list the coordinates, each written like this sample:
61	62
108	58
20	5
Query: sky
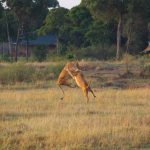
69	3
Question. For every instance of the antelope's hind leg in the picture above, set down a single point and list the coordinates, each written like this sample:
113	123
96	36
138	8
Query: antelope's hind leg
92	92
85	92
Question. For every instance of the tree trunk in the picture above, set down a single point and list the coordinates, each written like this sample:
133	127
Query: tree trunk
8	36
127	48
119	34
17	41
27	47
3	50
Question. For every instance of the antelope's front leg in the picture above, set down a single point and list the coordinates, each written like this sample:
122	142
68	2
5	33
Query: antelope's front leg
64	84
62	91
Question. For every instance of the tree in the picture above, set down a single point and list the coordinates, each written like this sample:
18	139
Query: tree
77	23
80	21
54	21
1	9
29	13
71	28
122	11
110	9
40	53
2	36
136	33
101	33
136	26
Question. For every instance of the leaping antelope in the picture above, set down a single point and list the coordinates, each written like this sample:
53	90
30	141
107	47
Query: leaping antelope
74	71
64	76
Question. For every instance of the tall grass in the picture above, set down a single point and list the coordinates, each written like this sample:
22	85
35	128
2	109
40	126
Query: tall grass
39	120
20	72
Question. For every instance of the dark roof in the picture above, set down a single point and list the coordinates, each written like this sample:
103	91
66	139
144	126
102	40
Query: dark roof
42	40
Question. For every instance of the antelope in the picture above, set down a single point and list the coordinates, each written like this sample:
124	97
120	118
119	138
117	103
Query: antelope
74	71
81	82
64	76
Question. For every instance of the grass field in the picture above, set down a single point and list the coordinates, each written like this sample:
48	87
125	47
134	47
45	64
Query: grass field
37	119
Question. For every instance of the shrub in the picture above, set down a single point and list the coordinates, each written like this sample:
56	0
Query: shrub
16	73
40	53
48	72
5	58
55	57
70	56
96	52
146	71
55	69
20	72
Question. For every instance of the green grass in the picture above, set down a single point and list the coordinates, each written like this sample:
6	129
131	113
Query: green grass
27	73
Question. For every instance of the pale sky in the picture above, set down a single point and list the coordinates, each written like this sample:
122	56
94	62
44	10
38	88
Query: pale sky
69	3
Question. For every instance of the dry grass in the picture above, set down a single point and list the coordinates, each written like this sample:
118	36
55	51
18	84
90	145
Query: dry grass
38	120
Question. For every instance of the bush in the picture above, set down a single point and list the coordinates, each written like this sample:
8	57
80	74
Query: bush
40	53
70	56
5	58
16	73
55	69
55	57
48	72
28	73
146	71
96	52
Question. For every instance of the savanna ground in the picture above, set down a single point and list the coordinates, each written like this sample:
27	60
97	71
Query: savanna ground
32	117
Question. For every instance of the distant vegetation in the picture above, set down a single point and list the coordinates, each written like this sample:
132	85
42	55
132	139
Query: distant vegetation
17	73
98	29
104	74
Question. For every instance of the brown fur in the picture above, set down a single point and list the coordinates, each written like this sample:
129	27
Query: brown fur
64	75
73	69
82	83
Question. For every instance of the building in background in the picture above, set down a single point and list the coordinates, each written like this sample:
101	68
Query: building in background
50	42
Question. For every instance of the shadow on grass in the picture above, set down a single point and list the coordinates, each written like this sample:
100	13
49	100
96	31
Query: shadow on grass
15	116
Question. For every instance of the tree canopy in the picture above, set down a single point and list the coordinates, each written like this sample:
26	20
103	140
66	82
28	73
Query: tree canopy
118	9
28	11
123	24
54	20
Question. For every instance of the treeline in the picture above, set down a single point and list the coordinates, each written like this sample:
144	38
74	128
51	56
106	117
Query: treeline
80	33
101	28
